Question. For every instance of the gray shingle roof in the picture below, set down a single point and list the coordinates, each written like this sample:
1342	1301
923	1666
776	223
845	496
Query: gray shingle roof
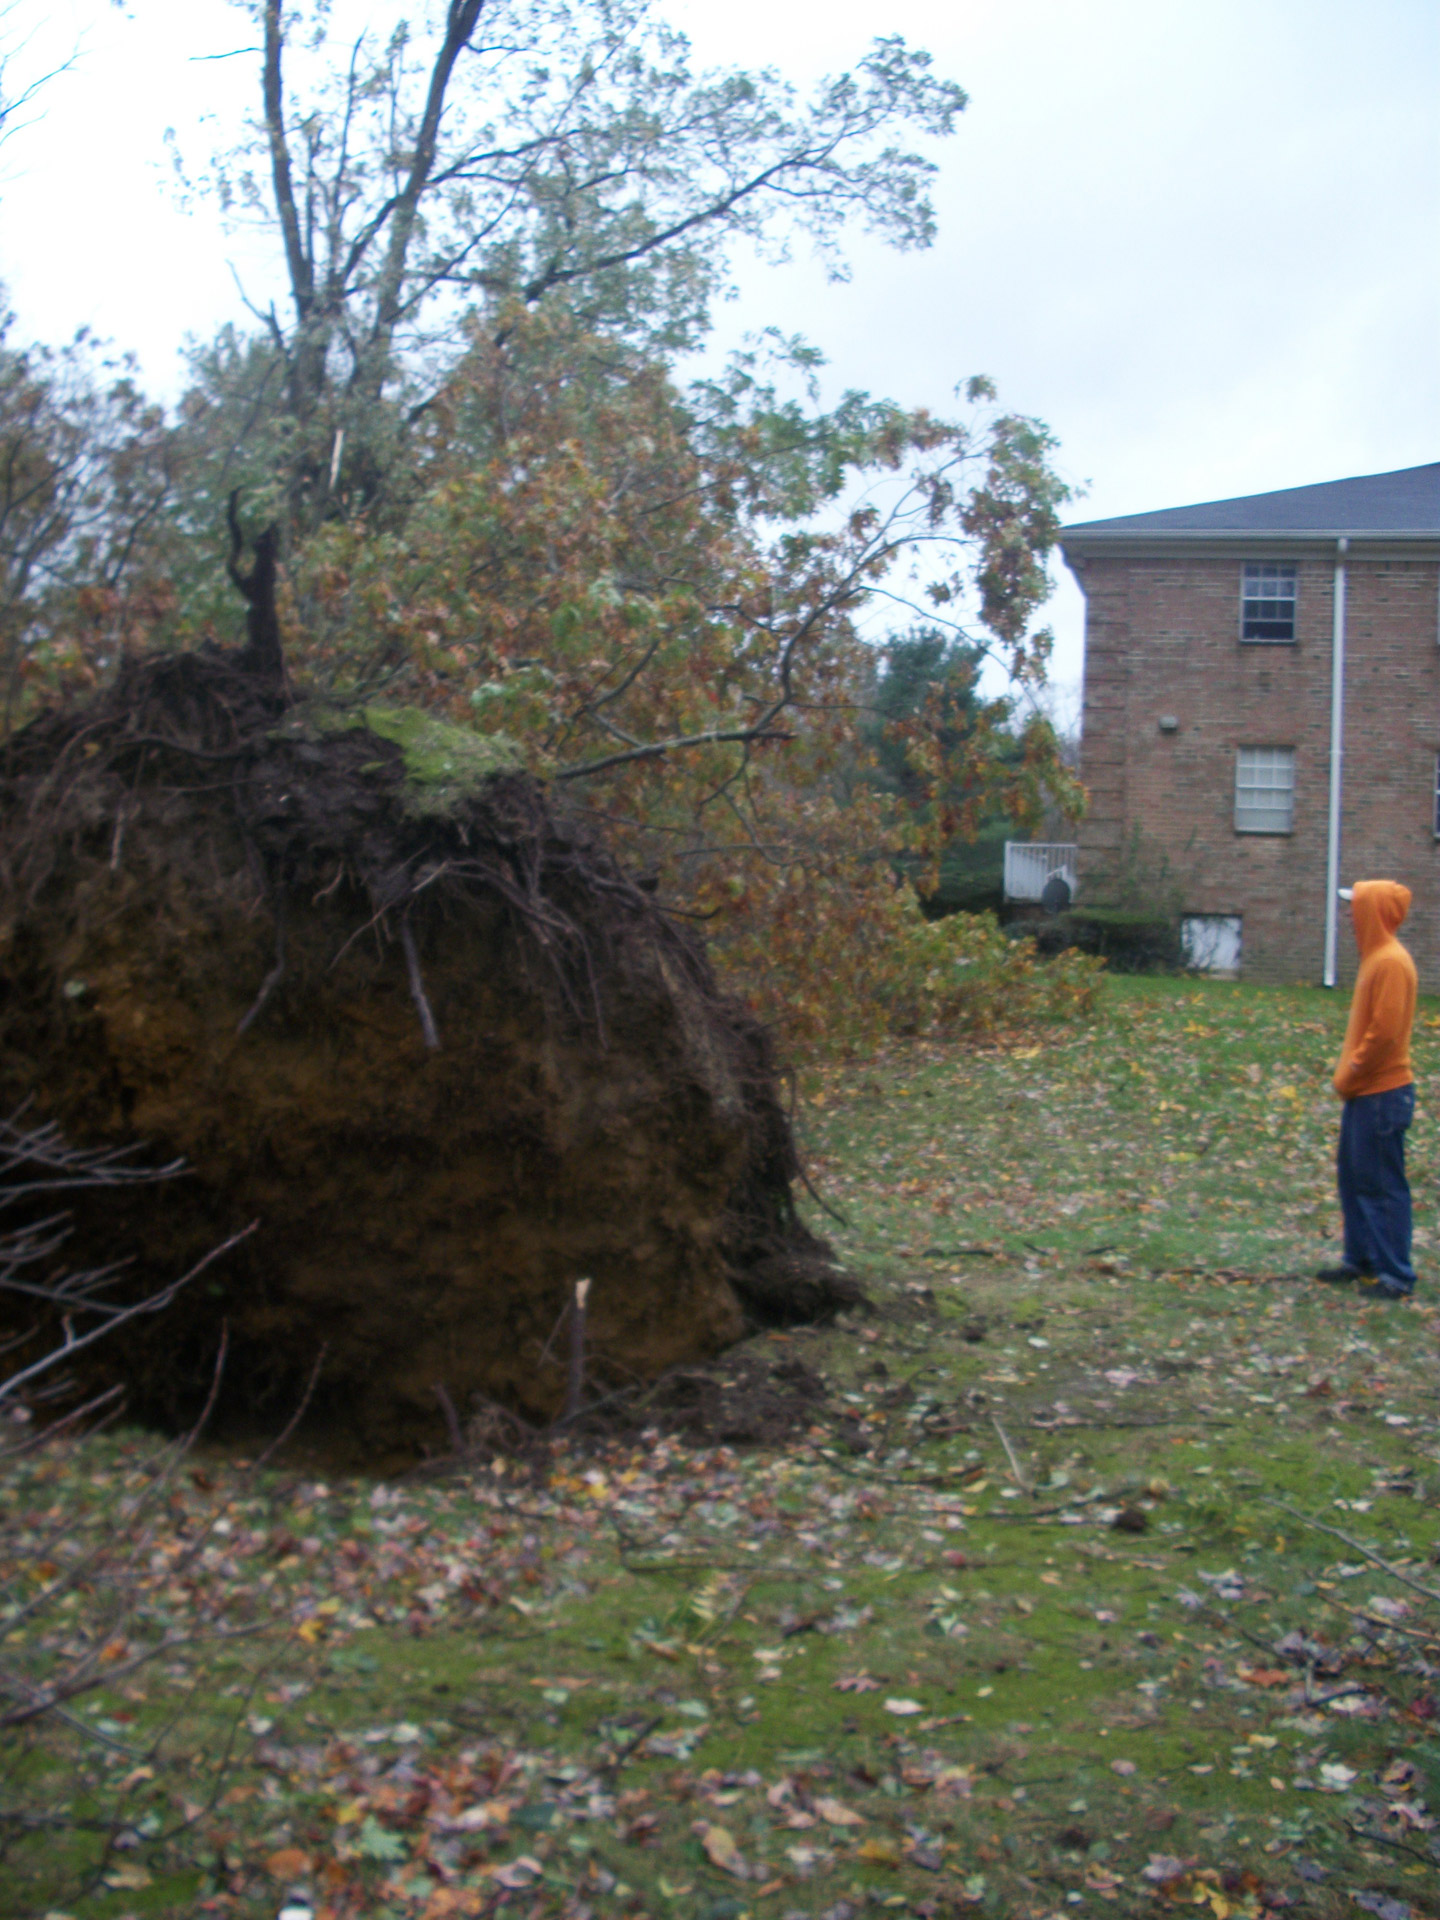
1405	503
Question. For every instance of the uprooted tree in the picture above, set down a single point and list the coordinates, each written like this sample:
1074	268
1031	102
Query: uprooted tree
495	225
364	919
352	967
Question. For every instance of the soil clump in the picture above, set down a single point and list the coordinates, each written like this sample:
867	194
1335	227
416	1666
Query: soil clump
355	968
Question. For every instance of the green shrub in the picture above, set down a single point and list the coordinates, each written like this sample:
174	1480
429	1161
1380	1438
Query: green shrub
1128	941
971	875
963	974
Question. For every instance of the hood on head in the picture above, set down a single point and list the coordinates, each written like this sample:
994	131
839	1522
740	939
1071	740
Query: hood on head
1377	907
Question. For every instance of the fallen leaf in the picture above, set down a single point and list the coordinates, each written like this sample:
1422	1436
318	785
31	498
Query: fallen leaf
838	1814
880	1853
722	1852
519	1874
805	1859
1101	1880
1122	1766
1264	1676
443	1902
127	1879
1387	1608
956	1780
476	1819
903	1707
288	1864
1164	1869
378	1843
1382	1906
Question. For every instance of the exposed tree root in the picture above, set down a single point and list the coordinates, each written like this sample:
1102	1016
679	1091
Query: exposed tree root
580	1099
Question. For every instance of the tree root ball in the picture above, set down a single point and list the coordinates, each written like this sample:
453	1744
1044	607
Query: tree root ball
438	1043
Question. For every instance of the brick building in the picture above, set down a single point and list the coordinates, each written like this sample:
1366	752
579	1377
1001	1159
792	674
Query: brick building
1262	717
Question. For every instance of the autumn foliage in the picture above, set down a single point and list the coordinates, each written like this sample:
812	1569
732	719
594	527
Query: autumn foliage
493	499
658	597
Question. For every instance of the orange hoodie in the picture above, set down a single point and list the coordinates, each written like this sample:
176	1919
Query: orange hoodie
1376	1054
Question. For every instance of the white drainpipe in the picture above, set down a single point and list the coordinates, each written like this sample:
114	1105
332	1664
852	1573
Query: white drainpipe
1337	763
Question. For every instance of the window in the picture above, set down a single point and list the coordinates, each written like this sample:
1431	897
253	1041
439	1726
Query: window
1264	789
1211	943
1267	601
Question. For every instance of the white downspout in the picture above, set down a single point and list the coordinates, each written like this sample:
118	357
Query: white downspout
1337	763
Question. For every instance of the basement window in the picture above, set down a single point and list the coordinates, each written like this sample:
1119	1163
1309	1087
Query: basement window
1264	789
1211	943
1267	601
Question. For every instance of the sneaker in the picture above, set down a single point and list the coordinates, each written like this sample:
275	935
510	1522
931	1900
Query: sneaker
1338	1276
1377	1287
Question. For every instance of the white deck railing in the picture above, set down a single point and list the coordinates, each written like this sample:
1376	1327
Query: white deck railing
1028	866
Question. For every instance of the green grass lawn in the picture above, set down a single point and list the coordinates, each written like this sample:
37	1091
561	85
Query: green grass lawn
1031	1614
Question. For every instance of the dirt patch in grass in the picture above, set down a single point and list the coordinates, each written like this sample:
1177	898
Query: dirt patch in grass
746	1399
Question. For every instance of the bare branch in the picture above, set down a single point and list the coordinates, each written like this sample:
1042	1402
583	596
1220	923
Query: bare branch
301	268
658	748
67	1294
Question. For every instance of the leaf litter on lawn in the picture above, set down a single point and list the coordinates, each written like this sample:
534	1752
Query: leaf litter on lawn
1029	1499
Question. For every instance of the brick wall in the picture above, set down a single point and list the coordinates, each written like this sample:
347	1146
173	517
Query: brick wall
1162	638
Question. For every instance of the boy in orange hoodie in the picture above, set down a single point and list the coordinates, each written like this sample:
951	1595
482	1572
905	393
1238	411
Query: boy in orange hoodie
1374	1080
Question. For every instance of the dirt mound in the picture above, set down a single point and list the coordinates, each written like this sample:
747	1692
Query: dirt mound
353	968
747	1399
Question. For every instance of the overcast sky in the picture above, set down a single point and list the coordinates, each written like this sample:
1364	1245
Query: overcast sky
1197	237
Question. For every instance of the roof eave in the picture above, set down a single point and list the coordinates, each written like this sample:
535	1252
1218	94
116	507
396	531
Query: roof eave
1131	540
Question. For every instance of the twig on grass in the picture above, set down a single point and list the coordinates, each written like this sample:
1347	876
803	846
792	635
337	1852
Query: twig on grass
1358	1546
1384	1840
43	1701
614	1764
1106	1426
1021	1478
1066	1506
1387	1626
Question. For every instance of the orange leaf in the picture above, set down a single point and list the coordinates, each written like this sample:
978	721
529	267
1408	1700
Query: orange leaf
1264	1676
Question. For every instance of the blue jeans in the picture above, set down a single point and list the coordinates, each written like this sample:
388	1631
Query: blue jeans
1374	1193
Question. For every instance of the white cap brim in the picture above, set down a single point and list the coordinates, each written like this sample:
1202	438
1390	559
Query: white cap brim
1346	893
